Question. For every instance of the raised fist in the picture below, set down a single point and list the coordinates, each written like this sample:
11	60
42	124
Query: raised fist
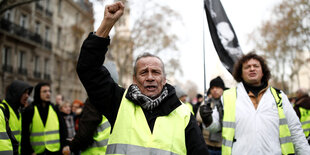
114	11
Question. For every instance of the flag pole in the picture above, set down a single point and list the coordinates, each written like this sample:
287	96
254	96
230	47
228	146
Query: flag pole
204	55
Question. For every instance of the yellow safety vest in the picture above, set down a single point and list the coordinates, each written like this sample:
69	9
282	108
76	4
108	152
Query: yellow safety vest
305	120
5	142
101	138
229	122
47	136
15	124
131	133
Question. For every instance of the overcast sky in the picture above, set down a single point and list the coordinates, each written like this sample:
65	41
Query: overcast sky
244	15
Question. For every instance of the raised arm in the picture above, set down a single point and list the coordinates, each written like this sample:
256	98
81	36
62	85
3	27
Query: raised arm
102	91
111	14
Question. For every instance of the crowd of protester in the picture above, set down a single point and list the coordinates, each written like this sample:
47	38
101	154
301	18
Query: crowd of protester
151	116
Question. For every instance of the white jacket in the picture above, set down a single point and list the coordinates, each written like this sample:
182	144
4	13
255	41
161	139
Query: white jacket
257	130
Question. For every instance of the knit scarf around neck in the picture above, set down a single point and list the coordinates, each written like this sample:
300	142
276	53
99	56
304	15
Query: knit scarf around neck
144	101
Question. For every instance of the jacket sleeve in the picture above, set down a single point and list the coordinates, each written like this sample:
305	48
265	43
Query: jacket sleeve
215	125
195	144
102	91
298	137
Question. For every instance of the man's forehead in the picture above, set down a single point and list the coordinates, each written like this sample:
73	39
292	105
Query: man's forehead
149	58
252	60
215	87
149	61
45	87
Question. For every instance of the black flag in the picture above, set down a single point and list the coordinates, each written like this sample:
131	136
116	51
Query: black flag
223	34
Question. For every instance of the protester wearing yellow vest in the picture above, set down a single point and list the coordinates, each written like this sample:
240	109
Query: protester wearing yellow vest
16	96
94	128
302	108
146	119
93	134
214	139
258	119
44	129
101	138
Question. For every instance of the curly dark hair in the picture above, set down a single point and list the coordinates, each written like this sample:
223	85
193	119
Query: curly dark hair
237	72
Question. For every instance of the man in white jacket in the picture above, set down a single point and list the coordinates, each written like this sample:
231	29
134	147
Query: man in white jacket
258	119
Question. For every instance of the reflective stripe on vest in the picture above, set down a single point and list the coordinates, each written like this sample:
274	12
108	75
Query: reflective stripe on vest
5	142
131	133
135	150
305	120
45	137
228	131
101	138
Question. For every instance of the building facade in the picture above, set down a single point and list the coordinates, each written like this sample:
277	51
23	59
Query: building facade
40	41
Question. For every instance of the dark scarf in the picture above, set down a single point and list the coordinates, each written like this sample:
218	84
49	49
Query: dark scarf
254	89
144	101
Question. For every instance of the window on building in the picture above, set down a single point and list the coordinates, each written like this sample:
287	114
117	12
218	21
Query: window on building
8	15
47	5
39	2
59	6
23	21
37	27
36	67
58	36
46	66
36	64
39	5
22	60
47	69
6	56
7	59
47	33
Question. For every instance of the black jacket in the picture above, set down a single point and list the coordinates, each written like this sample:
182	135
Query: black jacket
106	95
